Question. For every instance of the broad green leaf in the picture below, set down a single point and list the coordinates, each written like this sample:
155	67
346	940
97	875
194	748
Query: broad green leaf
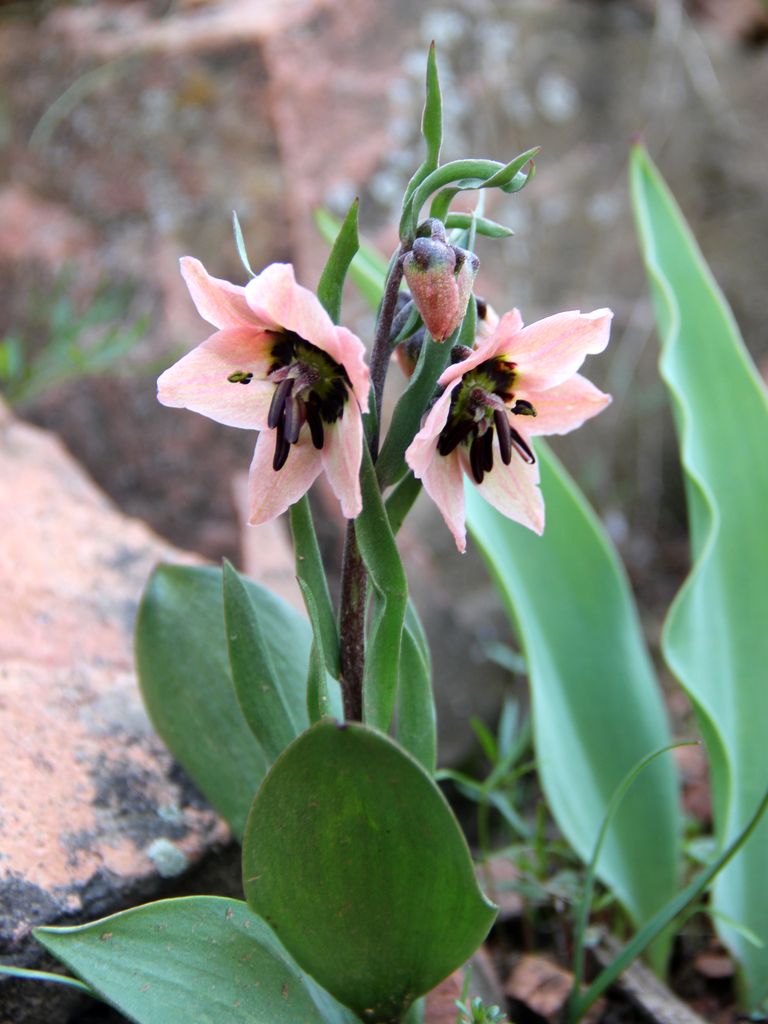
345	246
197	960
183	667
354	858
715	639
597	708
368	269
271	692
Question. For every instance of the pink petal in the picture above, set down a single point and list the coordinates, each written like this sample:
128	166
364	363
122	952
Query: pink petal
199	382
552	350
275	297
444	484
562	408
487	348
513	490
423	447
341	456
350	353
271	493
219	302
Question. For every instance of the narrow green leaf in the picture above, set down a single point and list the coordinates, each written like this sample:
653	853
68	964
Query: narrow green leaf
183	667
311	575
662	920
597	709
390	600
242	252
354	857
715	639
431	127
345	246
416	718
368	269
406	418
400	500
462	175
318	699
24	973
584	904
484	226
200	959
271	695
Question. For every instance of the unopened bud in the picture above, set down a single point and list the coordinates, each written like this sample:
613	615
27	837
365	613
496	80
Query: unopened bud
440	277
408	351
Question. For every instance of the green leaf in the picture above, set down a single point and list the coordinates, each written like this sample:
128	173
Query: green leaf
377	546
715	639
319	704
200	959
368	269
416	718
483	226
183	667
462	175
346	243
312	578
431	127
271	692
597	708
353	856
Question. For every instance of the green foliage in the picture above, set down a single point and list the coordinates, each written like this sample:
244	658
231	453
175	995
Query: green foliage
331	285
184	671
597	709
715	639
368	268
269	680
310	573
203	959
476	1012
355	859
62	343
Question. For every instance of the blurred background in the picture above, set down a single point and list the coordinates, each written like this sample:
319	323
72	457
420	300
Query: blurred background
130	131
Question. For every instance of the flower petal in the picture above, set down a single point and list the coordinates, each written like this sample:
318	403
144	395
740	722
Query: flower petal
341	456
275	298
350	353
487	347
443	482
423	447
562	408
219	302
271	493
552	350
513	490
198	381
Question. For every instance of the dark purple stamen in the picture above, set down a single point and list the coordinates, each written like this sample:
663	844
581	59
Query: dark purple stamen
521	446
282	450
453	436
476	460
292	419
315	426
486	449
277	408
504	435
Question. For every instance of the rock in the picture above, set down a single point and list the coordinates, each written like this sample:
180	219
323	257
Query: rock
95	815
543	988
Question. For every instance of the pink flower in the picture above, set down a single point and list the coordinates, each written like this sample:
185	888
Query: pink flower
519	382
277	364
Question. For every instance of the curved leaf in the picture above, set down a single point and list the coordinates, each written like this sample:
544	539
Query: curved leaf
353	856
597	708
183	668
715	639
201	959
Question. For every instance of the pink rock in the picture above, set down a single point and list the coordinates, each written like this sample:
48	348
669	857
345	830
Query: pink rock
94	814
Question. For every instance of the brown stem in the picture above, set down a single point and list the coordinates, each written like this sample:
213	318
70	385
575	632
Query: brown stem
381	344
354	585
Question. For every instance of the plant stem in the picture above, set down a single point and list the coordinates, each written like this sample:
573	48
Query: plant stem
381	342
354	588
354	577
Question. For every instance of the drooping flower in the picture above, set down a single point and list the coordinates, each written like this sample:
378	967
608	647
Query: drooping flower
519	382
277	364
440	277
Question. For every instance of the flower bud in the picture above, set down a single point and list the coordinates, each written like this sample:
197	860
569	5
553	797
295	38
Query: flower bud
440	277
